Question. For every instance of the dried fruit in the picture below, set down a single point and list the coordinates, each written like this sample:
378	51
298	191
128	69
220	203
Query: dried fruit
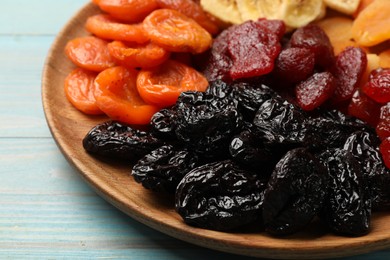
295	193
162	169
219	196
314	91
378	86
385	151
119	141
347	208
364	108
383	127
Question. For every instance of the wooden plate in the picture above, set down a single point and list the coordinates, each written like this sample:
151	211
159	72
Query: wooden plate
112	181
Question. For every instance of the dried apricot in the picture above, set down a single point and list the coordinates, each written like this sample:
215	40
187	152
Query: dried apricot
136	55
79	90
192	10
162	86
117	96
90	53
372	25
106	27
176	32
128	10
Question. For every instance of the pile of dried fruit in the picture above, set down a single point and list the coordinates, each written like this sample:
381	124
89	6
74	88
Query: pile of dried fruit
277	128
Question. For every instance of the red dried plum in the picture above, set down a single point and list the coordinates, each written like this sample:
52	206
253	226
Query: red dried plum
315	39
348	70
219	196
347	208
295	193
378	86
314	91
162	169
364	108
294	64
383	127
385	151
252	50
116	140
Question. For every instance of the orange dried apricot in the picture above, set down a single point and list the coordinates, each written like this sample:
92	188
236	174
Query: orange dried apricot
106	27
176	32
90	53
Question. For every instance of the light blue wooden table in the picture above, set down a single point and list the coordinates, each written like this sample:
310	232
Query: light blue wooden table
46	210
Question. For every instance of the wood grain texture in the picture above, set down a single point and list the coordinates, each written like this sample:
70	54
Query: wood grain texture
112	181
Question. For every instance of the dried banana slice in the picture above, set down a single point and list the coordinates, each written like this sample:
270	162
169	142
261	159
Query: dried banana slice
297	13
343	6
225	10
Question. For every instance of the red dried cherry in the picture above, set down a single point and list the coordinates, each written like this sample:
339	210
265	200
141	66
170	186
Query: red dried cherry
252	50
385	151
294	64
378	86
314	91
314	38
383	127
348	70
364	108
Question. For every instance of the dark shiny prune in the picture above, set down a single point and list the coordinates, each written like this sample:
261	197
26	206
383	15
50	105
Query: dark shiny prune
250	96
364	146
281	122
220	89
162	169
163	123
331	129
219	196
206	124
115	140
248	150
347	207
295	193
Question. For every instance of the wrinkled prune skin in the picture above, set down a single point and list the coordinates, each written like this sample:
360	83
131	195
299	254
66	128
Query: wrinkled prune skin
220	89
330	130
163	123
347	208
281	122
248	150
295	193
115	140
364	146
219	196
206	124
162	169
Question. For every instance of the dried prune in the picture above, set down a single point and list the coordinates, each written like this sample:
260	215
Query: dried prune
220	89
383	127
281	122
294	64
206	123
364	108
249	151
348	70
314	91
378	86
294	193
116	140
315	39
347	209
219	196
364	147
162	169
163	123
253	50
331	129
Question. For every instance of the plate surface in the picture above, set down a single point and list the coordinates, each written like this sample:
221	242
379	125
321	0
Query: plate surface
112	181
